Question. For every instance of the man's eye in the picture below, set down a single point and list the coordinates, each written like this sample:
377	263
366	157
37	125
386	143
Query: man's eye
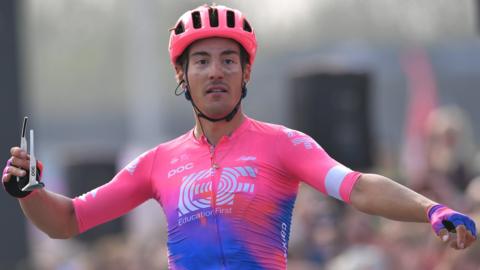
229	61
202	61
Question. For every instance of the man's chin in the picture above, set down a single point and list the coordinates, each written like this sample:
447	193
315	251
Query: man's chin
219	113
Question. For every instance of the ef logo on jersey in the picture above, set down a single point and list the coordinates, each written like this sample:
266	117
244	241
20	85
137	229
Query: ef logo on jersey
180	169
197	188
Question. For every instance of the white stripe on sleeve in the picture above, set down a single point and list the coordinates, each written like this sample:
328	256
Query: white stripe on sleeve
334	179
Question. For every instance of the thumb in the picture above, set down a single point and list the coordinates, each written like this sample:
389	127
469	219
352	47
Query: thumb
444	235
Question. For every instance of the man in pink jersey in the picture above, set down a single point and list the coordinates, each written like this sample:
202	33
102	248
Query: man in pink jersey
228	186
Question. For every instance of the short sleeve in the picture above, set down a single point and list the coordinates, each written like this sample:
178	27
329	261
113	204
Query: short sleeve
128	189
304	159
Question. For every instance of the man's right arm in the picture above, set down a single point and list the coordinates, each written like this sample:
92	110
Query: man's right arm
52	213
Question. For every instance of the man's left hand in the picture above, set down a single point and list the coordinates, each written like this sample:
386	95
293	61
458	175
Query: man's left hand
457	229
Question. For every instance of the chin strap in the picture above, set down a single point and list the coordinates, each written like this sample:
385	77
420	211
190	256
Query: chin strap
227	118
199	113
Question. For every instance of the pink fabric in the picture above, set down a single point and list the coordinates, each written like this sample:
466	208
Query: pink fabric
179	42
5	169
347	185
243	190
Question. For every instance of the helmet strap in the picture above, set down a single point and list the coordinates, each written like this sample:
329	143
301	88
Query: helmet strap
227	118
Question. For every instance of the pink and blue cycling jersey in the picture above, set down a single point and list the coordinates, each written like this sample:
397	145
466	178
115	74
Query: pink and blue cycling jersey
228	206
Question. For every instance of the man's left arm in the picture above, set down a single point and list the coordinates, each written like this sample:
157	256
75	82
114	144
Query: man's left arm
378	195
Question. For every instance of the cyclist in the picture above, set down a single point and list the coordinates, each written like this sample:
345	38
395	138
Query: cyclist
228	186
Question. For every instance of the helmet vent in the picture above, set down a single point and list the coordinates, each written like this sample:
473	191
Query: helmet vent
180	28
197	22
213	15
230	19
246	26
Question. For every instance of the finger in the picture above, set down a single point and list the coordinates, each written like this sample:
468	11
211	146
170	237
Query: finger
20	163
18	152
461	236
444	235
469	239
16	171
453	244
5	174
471	228
452	241
469	242
6	177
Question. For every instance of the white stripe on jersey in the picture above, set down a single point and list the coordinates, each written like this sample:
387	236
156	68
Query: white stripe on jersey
334	179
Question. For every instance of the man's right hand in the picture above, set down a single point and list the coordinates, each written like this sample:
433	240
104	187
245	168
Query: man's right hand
18	165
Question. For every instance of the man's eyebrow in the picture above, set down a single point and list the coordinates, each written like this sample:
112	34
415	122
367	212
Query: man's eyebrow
204	53
228	52
200	53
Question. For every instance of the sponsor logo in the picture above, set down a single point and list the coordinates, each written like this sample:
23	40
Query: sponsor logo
93	193
180	169
206	213
132	166
196	189
298	138
290	132
183	157
283	236
307	142
246	158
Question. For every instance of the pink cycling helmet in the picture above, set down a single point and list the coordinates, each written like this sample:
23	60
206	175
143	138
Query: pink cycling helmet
211	21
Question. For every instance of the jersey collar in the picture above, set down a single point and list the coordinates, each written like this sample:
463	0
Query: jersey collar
203	140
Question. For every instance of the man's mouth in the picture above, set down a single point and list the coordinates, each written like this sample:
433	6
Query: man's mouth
215	90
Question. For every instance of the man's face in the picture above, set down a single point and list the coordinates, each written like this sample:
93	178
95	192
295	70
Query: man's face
215	75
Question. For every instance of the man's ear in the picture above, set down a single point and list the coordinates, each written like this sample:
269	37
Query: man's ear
179	73
246	73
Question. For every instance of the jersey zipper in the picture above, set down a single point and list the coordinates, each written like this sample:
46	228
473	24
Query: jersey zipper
212	175
214	167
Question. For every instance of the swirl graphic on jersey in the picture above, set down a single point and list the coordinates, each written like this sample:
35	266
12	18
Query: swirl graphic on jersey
196	189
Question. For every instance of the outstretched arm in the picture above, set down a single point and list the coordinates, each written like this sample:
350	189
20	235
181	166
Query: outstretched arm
378	195
52	213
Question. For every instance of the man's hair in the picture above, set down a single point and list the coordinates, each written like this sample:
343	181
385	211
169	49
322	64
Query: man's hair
244	57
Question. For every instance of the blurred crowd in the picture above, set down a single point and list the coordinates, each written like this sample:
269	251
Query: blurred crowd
327	234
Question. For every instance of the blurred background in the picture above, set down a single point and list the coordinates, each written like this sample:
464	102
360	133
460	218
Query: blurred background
390	87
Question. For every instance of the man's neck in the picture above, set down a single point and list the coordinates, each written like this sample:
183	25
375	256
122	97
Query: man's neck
214	131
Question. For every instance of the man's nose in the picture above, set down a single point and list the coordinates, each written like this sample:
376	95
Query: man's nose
216	71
